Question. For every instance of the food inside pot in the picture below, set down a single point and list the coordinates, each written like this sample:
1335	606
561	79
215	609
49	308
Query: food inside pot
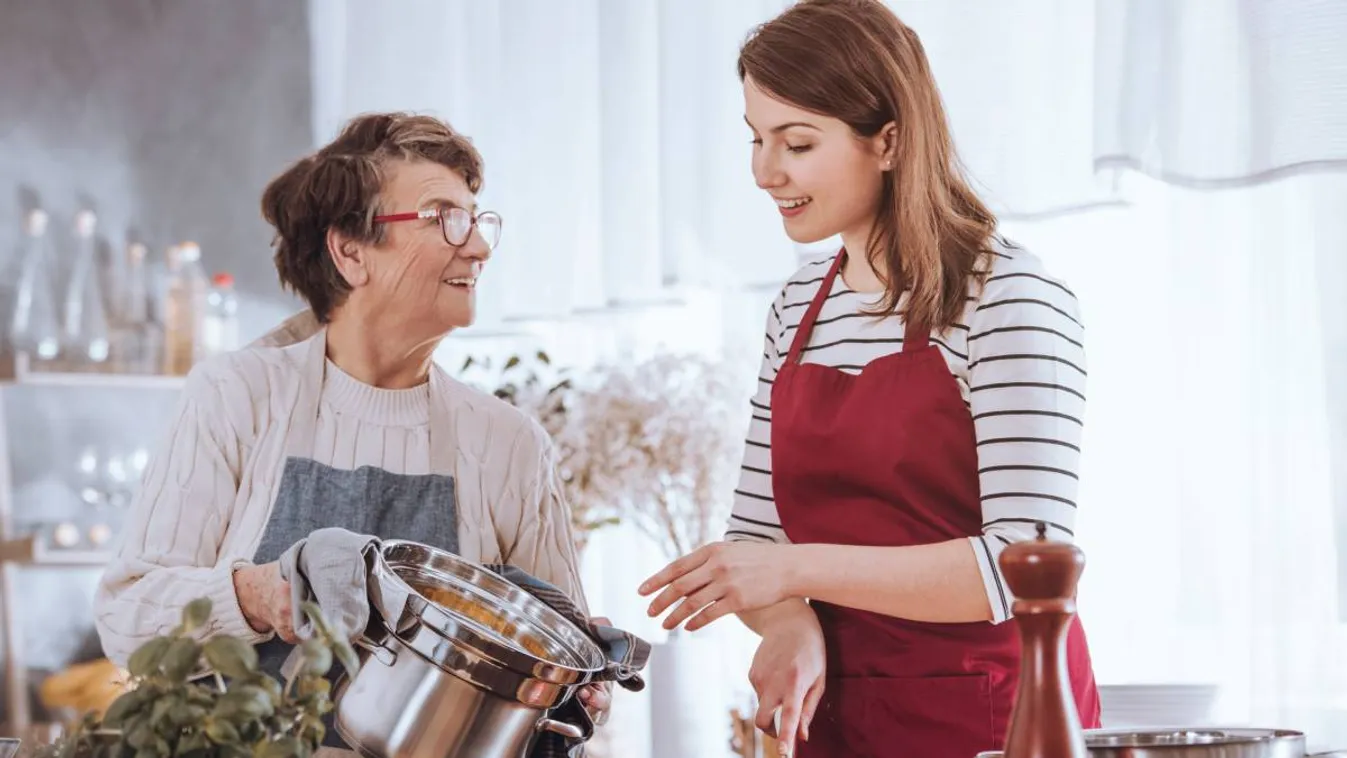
469	606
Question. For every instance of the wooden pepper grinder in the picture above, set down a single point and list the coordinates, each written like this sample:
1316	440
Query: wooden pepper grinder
1042	574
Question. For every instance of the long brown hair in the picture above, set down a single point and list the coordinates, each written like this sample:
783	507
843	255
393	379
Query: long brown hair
853	60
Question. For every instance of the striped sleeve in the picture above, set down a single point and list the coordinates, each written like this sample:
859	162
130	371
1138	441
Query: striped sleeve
754	515
1026	376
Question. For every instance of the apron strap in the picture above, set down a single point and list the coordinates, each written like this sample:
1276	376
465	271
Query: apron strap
915	336
806	327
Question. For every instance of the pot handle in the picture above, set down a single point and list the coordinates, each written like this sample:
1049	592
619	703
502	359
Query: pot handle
381	652
559	727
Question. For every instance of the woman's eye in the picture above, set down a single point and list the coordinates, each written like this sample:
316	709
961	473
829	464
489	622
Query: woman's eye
799	148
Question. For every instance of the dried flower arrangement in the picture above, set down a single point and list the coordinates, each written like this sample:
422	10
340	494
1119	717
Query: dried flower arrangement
238	712
545	392
662	439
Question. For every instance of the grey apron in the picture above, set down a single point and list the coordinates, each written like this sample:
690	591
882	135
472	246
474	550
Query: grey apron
367	500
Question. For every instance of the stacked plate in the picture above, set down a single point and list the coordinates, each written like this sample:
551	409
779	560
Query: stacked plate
1150	705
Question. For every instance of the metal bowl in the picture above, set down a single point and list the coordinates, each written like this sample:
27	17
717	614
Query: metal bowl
479	609
1199	742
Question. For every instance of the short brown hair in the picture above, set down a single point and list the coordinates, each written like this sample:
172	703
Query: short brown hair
854	60
339	188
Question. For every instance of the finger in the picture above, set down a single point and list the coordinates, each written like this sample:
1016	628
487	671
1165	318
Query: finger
683	587
721	607
596	697
698	600
673	571
601	621
768	706
810	706
790	723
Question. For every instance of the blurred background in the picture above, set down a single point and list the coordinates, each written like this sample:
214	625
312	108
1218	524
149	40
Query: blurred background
1182	164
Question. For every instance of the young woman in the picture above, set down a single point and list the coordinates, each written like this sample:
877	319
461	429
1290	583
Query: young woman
919	408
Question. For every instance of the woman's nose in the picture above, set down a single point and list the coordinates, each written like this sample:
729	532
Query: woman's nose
766	172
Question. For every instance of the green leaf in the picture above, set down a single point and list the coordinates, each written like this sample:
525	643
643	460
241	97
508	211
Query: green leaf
514	361
145	660
316	617
543	358
222	732
285	747
160	710
310	686
141	736
196	613
467	364
181	659
247	700
272	687
123	706
184	714
231	656
312	728
317	657
346	655
195	741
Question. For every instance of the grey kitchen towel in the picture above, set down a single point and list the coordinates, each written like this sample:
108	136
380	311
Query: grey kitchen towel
328	568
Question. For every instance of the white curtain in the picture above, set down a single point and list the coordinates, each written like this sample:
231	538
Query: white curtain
1207	502
1173	160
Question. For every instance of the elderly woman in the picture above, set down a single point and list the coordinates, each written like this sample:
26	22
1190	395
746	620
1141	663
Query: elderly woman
347	423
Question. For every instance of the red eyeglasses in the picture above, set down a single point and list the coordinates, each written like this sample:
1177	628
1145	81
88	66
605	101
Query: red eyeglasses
456	224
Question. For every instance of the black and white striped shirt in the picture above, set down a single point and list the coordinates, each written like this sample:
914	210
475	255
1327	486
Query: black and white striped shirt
1018	357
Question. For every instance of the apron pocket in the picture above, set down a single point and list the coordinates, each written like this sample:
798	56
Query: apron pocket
924	717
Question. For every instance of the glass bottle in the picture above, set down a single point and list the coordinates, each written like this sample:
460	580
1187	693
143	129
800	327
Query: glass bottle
35	329
221	328
185	307
86	342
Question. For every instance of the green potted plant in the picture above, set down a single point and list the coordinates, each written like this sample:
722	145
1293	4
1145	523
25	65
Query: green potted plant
234	710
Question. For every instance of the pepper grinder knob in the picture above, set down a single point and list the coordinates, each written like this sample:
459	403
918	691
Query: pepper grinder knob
1043	574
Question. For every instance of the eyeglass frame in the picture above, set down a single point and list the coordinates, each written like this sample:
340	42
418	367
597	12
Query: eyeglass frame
438	213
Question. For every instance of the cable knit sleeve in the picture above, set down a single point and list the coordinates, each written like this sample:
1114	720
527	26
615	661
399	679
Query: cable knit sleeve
533	519
170	553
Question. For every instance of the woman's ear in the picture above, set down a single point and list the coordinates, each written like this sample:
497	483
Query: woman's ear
349	258
886	146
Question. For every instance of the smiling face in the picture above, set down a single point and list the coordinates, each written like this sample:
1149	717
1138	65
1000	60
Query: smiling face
824	178
411	277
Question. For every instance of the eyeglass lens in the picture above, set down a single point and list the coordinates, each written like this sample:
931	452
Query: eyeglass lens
457	224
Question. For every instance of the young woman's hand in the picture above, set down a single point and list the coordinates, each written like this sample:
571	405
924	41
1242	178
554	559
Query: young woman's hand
788	676
717	580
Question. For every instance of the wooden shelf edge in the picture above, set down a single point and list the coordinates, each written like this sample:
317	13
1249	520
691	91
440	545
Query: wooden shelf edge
18	373
28	551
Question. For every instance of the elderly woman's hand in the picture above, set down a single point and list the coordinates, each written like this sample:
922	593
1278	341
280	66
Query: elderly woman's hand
598	697
264	598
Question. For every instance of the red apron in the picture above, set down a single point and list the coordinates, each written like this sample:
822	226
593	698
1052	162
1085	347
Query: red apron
888	457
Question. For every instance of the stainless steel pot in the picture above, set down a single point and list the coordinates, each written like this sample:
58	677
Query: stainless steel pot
1189	743
435	682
